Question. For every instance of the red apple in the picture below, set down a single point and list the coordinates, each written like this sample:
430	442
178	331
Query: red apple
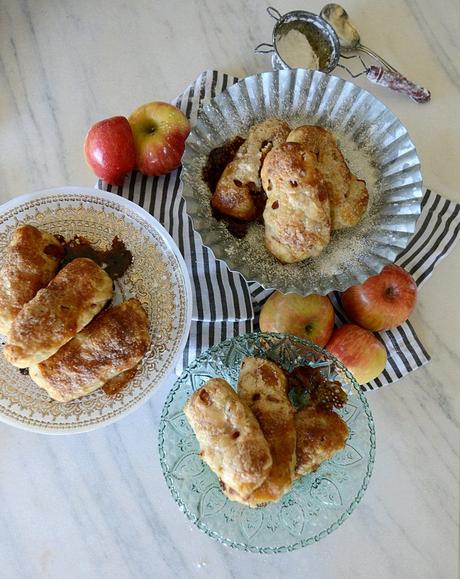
359	350
310	317
109	149
382	302
159	132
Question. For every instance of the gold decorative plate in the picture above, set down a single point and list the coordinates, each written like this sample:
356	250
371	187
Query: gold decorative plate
157	277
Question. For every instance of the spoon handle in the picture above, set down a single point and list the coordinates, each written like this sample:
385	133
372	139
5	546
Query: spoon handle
378	58
399	83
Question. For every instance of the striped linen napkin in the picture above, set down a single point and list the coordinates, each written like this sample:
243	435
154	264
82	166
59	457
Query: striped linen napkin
225	305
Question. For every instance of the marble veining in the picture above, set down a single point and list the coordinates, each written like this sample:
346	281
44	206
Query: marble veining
96	505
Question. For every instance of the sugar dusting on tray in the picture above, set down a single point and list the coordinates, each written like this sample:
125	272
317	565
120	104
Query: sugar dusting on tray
296	51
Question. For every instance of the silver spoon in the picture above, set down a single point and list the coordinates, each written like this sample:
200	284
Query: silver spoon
387	75
347	33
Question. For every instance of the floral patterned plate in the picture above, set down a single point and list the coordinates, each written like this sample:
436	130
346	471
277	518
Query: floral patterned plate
317	503
157	277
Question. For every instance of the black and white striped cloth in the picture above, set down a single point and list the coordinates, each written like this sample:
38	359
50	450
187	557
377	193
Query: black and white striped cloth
225	305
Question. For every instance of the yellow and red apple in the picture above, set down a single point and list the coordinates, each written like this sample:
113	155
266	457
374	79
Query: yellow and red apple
109	149
309	317
359	350
160	131
383	301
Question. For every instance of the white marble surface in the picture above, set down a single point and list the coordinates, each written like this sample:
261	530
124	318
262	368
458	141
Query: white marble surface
96	505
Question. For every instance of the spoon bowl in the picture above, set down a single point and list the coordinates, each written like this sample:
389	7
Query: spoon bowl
348	35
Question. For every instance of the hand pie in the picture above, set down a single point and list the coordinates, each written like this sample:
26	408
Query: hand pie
320	434
230	438
58	312
31	262
348	195
297	213
263	387
239	191
112	344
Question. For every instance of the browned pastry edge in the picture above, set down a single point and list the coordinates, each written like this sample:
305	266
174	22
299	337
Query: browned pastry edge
58	312
297	213
231	440
348	195
320	434
263	387
239	193
32	258
114	342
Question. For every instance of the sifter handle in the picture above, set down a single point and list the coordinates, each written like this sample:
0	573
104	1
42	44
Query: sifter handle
269	47
274	13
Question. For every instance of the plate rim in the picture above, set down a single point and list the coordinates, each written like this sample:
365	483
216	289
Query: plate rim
122	201
243	546
188	192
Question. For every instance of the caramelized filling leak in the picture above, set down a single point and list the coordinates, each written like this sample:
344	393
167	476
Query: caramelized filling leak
307	385
55	251
217	160
114	385
115	260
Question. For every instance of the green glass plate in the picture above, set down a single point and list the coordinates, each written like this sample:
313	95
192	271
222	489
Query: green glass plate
317	503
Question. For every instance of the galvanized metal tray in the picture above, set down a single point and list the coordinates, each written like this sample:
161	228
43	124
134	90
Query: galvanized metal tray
376	146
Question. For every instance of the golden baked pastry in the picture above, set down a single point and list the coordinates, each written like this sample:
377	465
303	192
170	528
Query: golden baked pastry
263	387
58	312
111	344
297	214
320	434
239	191
31	262
230	438
348	195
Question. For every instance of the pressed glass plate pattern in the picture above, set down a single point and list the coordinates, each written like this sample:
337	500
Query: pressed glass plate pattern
317	503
